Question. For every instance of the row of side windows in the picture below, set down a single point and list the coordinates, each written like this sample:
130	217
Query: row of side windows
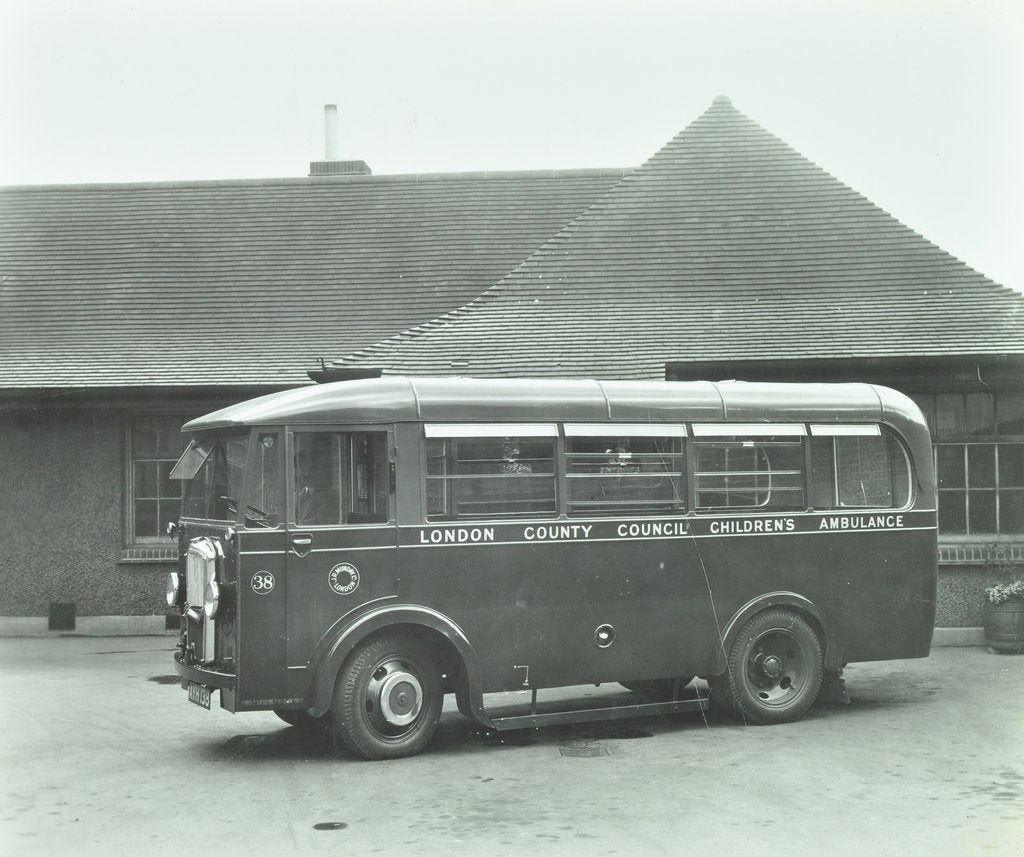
510	477
979	464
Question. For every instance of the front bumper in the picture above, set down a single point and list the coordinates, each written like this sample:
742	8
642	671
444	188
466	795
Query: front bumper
207	677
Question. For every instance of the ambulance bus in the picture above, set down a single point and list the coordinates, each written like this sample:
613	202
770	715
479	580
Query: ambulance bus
353	551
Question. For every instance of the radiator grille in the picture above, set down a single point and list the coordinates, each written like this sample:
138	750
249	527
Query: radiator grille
200	569
200	566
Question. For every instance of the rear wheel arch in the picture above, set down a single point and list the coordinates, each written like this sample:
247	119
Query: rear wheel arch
792	601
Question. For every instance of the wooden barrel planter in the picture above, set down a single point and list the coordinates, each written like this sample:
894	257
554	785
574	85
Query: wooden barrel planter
1004	625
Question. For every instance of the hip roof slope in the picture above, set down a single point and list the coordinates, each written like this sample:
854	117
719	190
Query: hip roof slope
726	244
250	282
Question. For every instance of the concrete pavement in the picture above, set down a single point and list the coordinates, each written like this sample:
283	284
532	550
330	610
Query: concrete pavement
101	754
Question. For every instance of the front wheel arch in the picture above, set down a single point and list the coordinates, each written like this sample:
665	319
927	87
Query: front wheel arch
458	657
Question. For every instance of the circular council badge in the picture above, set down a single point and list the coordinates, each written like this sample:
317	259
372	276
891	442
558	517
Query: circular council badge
343	578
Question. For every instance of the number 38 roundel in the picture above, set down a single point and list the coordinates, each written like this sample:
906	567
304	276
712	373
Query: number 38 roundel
262	582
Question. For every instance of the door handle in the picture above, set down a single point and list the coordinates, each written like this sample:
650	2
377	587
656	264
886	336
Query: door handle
301	543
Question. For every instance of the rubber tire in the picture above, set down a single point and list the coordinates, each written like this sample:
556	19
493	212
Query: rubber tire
301	719
656	689
733	692
354	732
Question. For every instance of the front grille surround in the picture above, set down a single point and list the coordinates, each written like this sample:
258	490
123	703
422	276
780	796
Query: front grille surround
201	564
200	569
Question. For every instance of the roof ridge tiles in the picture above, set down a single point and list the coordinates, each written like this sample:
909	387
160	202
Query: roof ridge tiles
312	181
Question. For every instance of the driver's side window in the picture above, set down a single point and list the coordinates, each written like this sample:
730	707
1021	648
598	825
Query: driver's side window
340	478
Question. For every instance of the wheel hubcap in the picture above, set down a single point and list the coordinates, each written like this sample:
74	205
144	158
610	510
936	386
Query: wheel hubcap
776	668
770	666
393	699
401	698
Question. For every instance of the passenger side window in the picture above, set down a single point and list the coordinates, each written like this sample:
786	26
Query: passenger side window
490	477
765	473
622	474
340	478
858	467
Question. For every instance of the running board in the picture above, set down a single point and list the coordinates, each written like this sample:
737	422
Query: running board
590	713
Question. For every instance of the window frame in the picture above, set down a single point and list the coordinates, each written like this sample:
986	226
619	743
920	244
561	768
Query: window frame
387	430
965	491
218	443
929	401
626	431
728	441
132	539
250	480
846	431
494	432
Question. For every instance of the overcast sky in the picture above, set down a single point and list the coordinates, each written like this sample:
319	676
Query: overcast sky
918	104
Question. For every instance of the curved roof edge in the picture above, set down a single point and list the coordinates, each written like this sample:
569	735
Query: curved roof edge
452	399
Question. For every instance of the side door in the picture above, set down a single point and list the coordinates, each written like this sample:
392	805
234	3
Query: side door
341	533
262	583
619	592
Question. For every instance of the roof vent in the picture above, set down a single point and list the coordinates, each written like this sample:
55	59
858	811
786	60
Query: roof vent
330	374
332	165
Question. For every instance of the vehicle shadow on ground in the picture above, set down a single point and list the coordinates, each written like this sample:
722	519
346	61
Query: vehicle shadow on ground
895	689
458	736
285	744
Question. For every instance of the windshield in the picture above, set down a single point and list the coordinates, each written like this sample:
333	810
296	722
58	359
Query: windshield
213	492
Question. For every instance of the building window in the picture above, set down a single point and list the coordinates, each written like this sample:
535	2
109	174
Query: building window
979	461
155	444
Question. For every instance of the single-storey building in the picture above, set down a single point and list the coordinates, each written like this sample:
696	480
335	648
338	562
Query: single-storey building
129	308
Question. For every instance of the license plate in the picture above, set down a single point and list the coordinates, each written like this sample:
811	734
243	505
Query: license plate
199	694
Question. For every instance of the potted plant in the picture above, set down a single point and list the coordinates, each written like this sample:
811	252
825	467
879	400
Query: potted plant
1003	616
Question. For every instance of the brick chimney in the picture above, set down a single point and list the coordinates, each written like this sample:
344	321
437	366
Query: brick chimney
332	165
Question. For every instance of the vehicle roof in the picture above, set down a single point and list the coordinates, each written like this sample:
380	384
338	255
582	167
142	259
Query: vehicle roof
452	399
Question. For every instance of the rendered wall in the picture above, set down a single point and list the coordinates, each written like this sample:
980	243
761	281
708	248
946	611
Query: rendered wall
961	592
61	512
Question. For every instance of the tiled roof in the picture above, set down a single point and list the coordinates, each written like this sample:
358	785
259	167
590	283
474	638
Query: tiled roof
211	283
726	245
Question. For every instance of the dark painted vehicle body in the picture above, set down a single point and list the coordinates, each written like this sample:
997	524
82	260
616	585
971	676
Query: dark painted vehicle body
521	610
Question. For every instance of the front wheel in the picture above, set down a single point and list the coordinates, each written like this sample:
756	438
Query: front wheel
387	700
300	719
775	668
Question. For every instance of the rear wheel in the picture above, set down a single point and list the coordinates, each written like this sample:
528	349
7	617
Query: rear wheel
657	689
387	700
775	668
